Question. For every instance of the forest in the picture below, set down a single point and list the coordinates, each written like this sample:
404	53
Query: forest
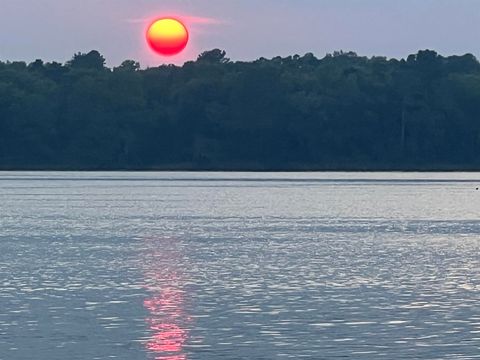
340	112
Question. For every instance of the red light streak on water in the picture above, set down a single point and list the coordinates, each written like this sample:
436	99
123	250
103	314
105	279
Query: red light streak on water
167	319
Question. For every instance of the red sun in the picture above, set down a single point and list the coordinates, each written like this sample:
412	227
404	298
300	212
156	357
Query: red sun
167	36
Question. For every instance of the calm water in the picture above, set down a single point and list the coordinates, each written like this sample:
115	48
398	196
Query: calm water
182	266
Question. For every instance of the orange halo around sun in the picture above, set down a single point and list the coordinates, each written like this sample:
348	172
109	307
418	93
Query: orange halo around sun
167	36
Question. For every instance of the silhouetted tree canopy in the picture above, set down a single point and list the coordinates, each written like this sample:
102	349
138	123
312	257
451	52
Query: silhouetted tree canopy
213	56
93	61
292	113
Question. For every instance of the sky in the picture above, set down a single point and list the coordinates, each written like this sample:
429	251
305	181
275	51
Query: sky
53	30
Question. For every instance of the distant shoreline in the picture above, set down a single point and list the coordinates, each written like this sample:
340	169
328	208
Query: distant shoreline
343	112
188	170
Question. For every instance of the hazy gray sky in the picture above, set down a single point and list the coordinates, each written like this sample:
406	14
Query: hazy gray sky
246	29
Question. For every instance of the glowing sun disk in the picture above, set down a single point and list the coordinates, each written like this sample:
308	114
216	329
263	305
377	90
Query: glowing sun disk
167	36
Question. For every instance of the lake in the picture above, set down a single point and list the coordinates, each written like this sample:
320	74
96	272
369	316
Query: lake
185	266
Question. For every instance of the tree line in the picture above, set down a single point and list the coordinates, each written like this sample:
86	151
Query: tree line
341	112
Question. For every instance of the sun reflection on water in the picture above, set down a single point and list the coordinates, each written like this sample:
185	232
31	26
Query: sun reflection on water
167	319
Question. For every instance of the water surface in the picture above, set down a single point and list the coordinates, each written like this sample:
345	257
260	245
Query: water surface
185	266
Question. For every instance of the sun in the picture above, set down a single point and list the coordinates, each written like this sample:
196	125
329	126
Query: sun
167	36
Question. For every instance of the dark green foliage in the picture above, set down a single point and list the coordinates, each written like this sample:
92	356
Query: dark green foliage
294	113
93	61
